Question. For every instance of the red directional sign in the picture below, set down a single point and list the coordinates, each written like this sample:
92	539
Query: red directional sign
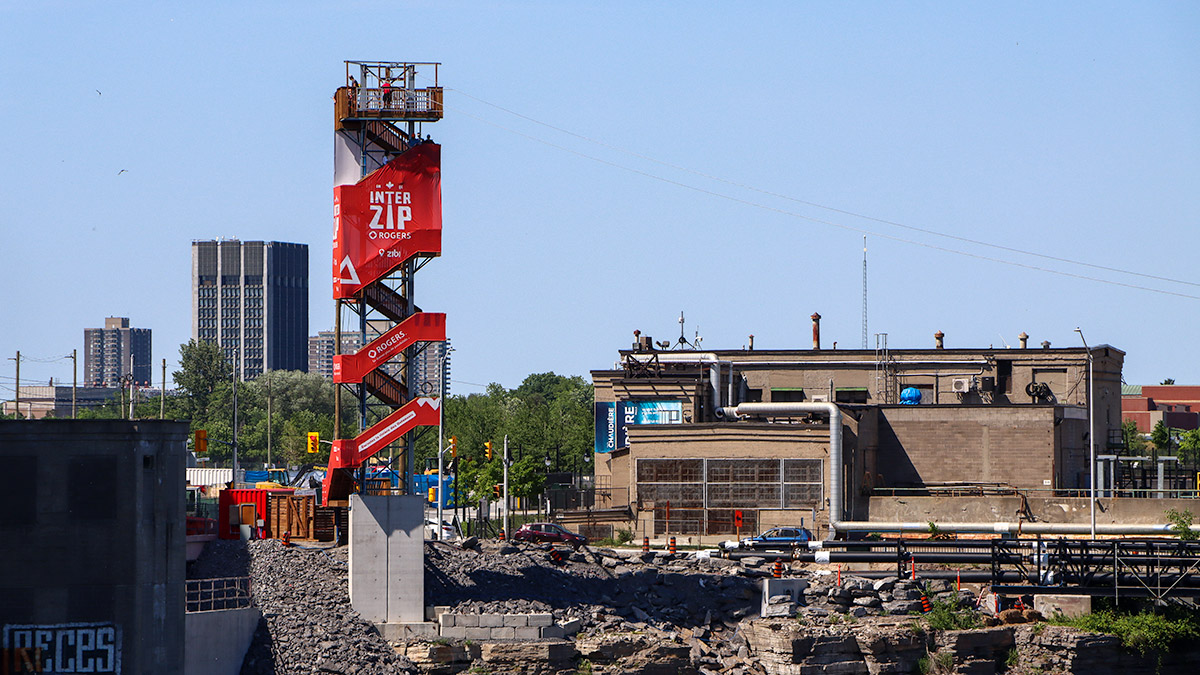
387	218
350	454
420	327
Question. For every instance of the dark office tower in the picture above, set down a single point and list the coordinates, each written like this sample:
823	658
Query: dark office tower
115	351
251	298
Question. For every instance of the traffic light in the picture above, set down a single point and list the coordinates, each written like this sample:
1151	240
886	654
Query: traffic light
487	446
201	440
496	488
314	441
454	446
432	495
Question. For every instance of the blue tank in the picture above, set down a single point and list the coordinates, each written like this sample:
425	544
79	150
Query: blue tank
910	396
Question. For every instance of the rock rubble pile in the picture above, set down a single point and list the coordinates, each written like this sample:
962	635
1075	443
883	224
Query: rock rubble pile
634	612
308	625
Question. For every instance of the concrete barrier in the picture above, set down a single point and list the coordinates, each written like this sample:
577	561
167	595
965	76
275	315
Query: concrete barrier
215	643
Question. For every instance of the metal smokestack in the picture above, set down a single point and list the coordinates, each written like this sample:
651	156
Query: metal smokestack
816	319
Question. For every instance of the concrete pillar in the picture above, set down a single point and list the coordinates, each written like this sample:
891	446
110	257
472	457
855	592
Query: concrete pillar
387	557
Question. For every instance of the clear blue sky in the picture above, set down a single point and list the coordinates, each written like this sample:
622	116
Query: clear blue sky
697	133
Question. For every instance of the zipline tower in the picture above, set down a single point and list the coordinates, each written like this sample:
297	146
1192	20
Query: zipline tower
387	211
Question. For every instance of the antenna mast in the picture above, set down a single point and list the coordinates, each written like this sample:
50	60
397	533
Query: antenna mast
864	317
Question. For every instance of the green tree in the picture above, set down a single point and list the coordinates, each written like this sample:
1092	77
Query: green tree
1163	438
1135	442
203	369
548	416
1189	446
1168	381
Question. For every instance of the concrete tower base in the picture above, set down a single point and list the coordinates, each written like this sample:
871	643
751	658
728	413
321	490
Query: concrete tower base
387	558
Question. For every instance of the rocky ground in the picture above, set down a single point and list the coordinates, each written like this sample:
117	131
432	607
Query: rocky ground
638	613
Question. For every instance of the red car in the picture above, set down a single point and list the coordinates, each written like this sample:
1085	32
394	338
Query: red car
548	532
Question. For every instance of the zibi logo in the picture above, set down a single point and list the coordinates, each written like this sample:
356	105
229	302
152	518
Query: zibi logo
391	208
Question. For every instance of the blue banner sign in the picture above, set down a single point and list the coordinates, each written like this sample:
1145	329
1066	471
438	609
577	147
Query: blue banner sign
613	419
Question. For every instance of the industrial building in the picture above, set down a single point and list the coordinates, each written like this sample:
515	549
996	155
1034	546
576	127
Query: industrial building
117	350
712	444
38	401
1176	406
251	298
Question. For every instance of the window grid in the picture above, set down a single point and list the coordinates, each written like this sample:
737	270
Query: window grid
704	493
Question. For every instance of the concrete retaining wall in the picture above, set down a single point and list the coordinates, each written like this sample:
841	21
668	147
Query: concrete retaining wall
1009	509
216	642
483	627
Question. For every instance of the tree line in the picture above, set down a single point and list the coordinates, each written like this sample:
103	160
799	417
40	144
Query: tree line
547	417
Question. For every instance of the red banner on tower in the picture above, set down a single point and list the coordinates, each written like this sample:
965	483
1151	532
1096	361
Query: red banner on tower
420	327
387	218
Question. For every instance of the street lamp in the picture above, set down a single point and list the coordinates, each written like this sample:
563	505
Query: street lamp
1091	430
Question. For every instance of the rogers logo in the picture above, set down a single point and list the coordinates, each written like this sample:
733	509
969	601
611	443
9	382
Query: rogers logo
385	348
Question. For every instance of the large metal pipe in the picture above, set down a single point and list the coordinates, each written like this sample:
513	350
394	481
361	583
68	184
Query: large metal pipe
835	443
1024	527
714	369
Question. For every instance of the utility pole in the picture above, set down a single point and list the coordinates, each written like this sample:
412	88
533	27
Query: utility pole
1091	431
441	495
864	311
18	398
506	530
74	378
162	399
236	355
269	421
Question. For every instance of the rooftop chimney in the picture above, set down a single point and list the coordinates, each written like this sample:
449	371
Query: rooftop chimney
642	344
1045	344
751	342
937	337
1024	338
816	318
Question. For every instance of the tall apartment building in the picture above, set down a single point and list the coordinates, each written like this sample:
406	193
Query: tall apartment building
427	369
251	298
320	351
114	351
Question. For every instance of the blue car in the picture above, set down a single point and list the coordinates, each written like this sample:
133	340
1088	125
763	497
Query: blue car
780	537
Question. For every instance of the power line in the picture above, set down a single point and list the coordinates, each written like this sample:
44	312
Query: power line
851	228
831	208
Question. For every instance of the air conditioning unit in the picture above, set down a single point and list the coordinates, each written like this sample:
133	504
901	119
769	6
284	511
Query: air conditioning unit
820	398
961	385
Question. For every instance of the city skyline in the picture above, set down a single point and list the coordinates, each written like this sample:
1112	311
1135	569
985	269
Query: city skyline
1015	169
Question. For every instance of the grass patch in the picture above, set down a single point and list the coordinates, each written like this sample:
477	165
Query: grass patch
936	663
1141	632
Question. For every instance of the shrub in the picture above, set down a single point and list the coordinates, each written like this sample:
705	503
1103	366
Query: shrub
1181	524
1143	632
948	616
624	536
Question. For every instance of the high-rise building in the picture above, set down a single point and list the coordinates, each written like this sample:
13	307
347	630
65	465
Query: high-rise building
115	351
427	369
320	351
251	299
